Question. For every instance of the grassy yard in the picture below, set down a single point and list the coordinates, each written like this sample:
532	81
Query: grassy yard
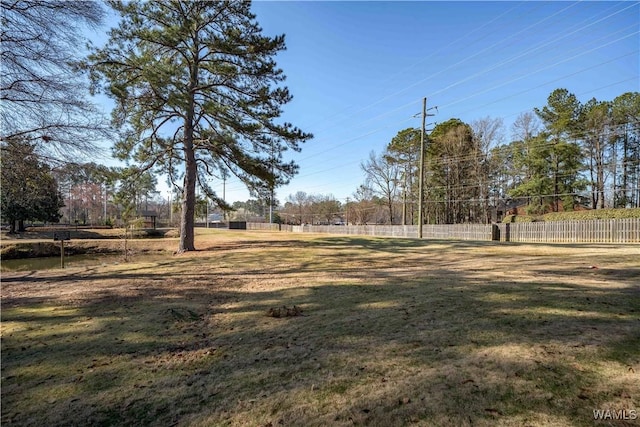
386	332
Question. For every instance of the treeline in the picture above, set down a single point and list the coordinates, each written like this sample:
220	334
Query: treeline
73	193
564	156
317	209
364	207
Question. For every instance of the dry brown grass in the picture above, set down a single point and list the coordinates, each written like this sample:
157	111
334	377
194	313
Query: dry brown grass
390	332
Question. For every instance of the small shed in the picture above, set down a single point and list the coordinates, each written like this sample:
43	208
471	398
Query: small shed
149	218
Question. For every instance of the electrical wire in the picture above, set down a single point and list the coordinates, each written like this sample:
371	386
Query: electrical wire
466	157
529	51
457	64
582	52
431	55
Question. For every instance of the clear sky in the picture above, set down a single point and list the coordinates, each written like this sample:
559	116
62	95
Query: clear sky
358	70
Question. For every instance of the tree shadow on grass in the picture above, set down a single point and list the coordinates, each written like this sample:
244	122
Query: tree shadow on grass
441	347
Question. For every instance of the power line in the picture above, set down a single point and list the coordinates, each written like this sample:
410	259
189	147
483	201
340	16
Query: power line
460	158
514	58
385	127
539	70
495	87
441	49
558	79
555	195
482	51
366	134
466	59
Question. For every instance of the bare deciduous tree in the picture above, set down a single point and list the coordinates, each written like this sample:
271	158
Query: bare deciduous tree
382	175
298	207
44	98
487	133
525	127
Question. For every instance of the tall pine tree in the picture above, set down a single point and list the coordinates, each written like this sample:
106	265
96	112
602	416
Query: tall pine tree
197	93
452	186
404	151
626	148
561	118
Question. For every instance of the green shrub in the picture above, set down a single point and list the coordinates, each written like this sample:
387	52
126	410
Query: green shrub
525	218
508	219
577	215
593	214
519	218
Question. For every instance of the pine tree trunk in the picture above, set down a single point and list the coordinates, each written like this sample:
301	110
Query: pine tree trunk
187	220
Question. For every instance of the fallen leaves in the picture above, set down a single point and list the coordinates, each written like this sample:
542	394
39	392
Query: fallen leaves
284	311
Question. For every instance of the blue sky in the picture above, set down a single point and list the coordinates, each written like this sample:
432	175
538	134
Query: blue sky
358	70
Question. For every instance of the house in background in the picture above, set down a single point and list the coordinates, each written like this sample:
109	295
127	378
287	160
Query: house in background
519	207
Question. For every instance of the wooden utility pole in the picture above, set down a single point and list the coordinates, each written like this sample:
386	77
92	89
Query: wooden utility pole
422	154
421	182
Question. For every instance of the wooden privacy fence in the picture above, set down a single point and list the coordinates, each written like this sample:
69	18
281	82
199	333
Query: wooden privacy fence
362	230
593	231
453	231
268	227
457	231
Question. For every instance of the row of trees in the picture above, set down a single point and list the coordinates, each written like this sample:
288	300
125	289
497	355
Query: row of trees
96	194
303	208
562	155
469	174
318	209
86	194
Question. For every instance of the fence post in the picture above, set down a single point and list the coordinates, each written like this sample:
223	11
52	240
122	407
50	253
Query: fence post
495	232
